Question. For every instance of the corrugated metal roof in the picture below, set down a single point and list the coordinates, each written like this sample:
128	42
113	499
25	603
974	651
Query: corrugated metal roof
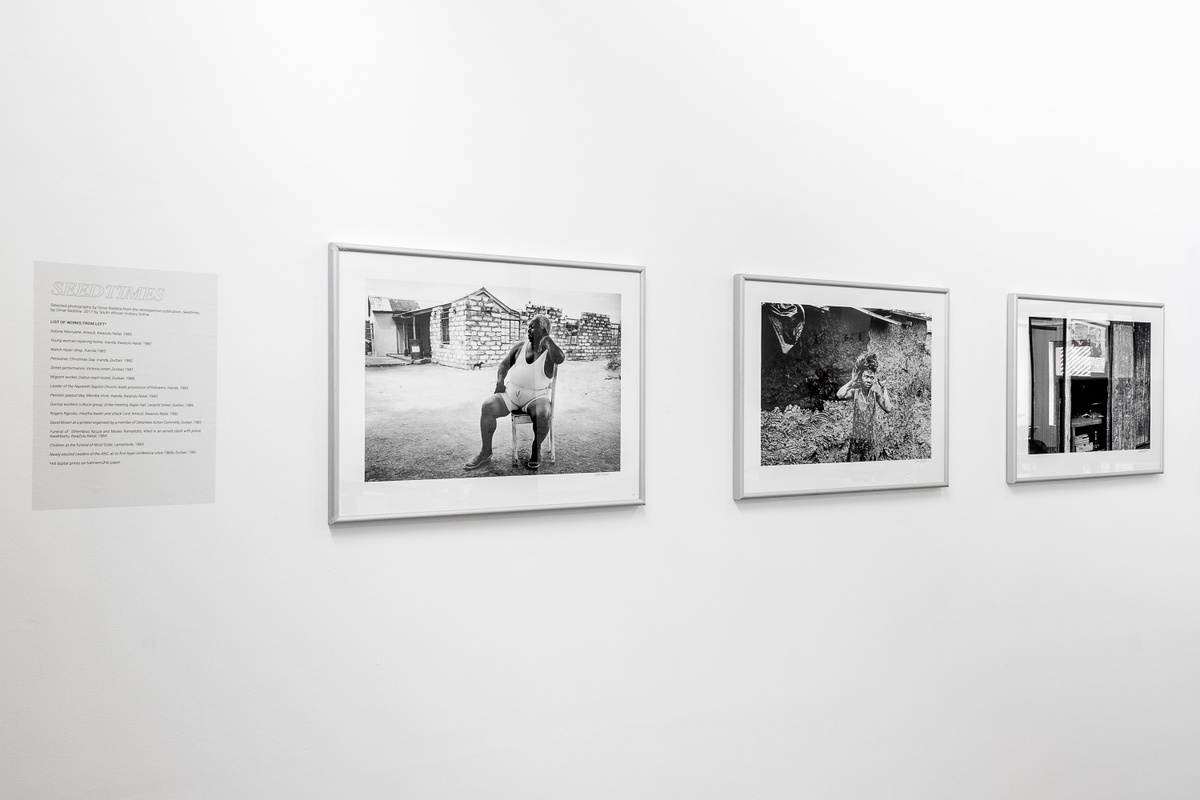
391	304
889	315
910	314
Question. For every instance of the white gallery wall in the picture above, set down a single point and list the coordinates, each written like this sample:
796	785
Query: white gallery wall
976	641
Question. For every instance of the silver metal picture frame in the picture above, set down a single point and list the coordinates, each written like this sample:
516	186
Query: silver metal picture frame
1085	388
838	387
463	383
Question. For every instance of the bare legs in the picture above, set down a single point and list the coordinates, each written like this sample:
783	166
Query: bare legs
539	412
492	409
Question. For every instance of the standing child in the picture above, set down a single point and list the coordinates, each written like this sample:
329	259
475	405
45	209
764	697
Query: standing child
867	393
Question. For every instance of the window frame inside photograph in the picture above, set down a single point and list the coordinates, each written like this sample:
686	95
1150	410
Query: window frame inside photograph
841	466
466	483
1084	388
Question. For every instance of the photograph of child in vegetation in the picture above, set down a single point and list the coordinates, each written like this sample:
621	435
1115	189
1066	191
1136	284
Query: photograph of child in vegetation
867	393
842	383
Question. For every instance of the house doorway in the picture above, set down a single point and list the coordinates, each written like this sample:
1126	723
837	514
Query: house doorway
420	347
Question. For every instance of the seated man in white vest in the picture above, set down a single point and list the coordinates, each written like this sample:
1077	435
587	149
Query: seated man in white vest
522	384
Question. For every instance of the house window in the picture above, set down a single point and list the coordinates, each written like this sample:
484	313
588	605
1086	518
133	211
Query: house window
512	329
446	326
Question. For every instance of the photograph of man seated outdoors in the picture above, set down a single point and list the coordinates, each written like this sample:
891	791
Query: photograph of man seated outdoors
448	366
843	383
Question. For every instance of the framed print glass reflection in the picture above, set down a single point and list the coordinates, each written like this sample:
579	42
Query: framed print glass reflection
838	387
466	384
1084	388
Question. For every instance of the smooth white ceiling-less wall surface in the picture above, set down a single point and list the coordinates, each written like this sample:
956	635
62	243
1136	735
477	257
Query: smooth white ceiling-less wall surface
980	641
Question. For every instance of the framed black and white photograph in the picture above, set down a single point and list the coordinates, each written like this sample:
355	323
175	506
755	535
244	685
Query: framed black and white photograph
465	383
838	387
1084	388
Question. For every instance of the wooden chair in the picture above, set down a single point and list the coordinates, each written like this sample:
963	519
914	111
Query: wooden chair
521	418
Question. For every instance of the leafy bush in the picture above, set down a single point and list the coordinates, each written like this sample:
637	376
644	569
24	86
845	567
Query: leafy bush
805	436
819	430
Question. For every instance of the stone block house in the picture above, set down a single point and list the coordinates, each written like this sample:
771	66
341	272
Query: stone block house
479	328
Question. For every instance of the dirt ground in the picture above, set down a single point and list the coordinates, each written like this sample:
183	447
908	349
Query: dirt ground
422	422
